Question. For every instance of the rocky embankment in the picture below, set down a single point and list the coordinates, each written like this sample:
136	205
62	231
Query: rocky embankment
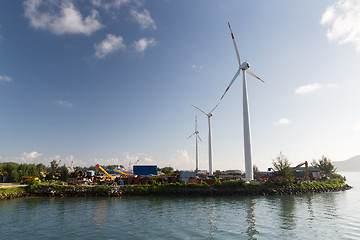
14	195
292	190
180	190
230	189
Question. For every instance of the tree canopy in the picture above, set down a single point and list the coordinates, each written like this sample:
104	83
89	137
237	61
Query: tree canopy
282	166
324	164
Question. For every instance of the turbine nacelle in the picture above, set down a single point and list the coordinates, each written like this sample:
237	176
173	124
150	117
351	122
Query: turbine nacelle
245	66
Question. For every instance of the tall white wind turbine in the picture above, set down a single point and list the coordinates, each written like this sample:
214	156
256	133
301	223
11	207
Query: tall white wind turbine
197	137
245	67
209	115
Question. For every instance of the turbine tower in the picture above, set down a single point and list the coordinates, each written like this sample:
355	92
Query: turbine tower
245	66
196	146
209	115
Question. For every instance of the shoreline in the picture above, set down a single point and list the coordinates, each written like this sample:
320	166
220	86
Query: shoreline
186	190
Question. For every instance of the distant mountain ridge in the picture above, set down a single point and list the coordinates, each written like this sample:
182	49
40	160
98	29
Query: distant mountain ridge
350	165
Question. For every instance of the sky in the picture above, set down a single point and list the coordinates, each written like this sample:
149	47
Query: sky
111	82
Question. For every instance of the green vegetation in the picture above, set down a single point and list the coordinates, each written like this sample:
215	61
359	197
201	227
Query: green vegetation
12	190
325	165
166	170
16	170
170	189
53	172
64	173
282	166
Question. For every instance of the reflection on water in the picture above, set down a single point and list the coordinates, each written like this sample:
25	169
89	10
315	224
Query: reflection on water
310	210
212	219
250	218
99	216
287	212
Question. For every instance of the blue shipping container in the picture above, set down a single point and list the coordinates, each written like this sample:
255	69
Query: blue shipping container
145	169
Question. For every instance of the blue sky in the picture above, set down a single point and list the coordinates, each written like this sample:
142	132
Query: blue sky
110	82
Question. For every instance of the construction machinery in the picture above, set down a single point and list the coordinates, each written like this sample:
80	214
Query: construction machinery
306	169
110	180
122	173
29	179
174	173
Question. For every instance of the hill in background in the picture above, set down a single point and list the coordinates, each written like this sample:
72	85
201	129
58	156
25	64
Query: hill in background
350	165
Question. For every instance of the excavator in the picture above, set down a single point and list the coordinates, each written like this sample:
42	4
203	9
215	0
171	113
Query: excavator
306	169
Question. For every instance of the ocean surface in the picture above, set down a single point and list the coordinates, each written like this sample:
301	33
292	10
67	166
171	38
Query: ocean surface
308	216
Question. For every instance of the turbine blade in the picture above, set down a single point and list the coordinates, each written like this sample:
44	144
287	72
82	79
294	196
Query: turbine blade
215	106
199	138
236	49
191	135
232	81
200	110
252	74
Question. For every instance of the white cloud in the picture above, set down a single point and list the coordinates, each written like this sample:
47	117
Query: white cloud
197	67
4	78
32	155
344	20
143	18
60	17
108	161
110	44
313	87
142	44
181	160
282	121
109	4
63	103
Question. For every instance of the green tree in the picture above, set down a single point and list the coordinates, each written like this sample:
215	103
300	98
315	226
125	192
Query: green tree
14	175
53	165
41	167
166	170
12	169
64	173
32	171
324	164
282	166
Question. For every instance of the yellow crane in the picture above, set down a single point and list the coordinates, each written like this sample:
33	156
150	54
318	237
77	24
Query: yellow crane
108	178
122	173
175	173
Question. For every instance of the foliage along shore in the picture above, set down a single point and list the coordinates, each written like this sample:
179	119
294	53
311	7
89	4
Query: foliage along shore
229	188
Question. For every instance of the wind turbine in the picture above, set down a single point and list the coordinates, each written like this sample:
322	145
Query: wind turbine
209	115
245	67
197	148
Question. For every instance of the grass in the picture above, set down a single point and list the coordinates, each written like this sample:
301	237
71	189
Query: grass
12	190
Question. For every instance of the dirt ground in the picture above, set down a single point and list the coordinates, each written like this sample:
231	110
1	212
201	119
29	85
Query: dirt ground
4	185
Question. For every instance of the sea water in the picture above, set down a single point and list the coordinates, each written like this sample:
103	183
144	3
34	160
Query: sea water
307	216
